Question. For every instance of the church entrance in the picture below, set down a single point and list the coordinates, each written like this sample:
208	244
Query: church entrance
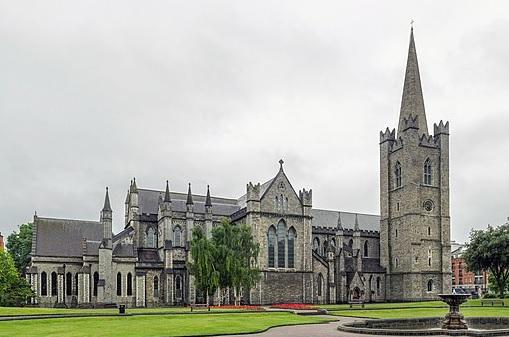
356	294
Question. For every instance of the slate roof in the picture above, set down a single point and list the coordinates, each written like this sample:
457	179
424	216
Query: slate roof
63	237
372	266
328	218
124	250
149	203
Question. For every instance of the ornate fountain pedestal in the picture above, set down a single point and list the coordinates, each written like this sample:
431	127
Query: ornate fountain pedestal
454	319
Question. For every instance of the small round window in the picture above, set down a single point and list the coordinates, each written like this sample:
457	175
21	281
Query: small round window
428	205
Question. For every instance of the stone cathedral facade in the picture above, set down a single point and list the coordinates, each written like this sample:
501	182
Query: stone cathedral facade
307	254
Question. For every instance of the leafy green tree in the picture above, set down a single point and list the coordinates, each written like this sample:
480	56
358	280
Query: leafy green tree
14	289
488	250
20	245
203	266
235	257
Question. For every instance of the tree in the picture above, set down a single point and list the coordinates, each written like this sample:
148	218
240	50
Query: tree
488	250
20	245
235	255
14	289
203	265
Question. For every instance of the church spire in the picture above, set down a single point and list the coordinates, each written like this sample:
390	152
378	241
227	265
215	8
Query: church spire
107	206
412	102
208	201
189	196
167	197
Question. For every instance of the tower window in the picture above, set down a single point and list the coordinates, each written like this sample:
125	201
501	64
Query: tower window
397	262
427	172
366	248
177	233
429	231
430	285
397	174
271	237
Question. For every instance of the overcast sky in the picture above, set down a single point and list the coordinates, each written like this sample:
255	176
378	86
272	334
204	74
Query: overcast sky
93	93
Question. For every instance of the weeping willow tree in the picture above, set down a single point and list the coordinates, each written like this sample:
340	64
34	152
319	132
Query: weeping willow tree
235	255
203	266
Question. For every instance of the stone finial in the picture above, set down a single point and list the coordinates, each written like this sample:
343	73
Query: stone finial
208	201
189	196
281	162
167	197
356	224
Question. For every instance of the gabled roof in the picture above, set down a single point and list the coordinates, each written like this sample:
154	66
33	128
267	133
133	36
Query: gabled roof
328	218
64	237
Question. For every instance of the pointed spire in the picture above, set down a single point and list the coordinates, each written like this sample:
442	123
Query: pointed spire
189	196
127	197
107	206
134	188
167	197
356	225
208	201
340	225
412	101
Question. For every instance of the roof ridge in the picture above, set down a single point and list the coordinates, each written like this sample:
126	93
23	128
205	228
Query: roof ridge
347	212
66	219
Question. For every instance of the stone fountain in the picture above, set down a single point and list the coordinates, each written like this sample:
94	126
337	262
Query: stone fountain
454	320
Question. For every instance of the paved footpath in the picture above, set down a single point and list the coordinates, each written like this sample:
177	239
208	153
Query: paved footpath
309	330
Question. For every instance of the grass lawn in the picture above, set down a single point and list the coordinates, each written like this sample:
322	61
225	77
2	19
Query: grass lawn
468	311
154	325
15	311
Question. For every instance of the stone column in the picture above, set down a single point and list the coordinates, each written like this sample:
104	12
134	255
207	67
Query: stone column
140	289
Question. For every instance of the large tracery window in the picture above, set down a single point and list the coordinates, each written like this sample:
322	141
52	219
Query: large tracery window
177	233
291	247
397	174
151	238
272	246
427	172
281	238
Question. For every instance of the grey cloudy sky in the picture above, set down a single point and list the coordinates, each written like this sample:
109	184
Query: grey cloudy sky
93	93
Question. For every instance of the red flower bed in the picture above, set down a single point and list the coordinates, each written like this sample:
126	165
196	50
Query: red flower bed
237	307
293	306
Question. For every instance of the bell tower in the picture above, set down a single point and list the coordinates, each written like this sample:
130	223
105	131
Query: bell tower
414	198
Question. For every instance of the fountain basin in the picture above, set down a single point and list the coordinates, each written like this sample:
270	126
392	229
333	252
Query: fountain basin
478	326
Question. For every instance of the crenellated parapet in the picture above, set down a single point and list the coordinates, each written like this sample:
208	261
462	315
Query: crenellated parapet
441	128
306	197
410	122
388	135
428	141
253	192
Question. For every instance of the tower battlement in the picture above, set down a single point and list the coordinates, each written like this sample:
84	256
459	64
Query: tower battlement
410	122
306	197
441	128
253	192
387	135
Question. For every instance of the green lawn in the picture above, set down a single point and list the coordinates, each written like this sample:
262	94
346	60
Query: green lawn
468	311
14	311
154	325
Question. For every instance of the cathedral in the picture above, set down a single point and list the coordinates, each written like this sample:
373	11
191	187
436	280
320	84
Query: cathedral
307	254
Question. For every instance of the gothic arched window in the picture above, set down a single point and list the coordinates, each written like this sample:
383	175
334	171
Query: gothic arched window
350	243
177	233
378	285
427	172
271	237
54	285
319	286
156	286
291	247
281	240
430	285
44	284
129	284
316	244
96	282
366	248
333	244
75	284
178	287
68	284
151	238
397	174
119	284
